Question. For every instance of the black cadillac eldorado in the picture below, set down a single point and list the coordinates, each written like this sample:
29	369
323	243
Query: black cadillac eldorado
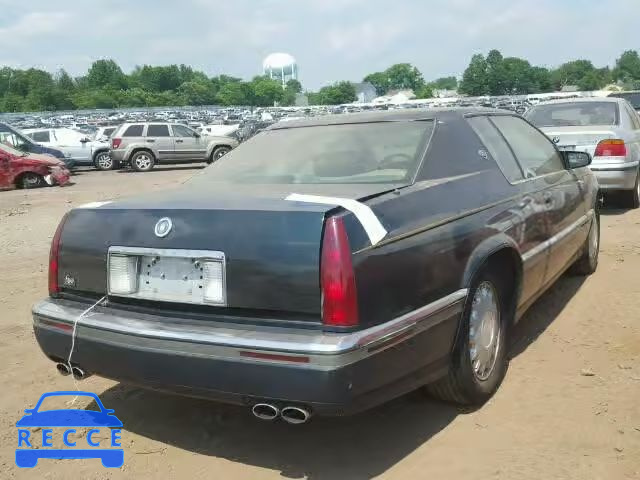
327	265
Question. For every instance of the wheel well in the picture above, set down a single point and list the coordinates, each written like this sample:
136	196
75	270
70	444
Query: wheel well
18	180
142	149
217	147
507	260
97	152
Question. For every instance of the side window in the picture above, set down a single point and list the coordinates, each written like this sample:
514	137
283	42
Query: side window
42	136
108	132
633	117
497	147
182	131
133	131
535	152
158	131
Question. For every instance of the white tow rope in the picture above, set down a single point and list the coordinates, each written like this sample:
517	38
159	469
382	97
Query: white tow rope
73	341
372	226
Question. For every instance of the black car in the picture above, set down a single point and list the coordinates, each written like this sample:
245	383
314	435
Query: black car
632	97
15	139
328	264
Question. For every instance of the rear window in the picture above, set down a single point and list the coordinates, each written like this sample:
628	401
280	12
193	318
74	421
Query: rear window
384	152
133	131
157	131
575	114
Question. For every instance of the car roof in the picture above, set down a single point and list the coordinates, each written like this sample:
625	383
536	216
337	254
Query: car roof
409	114
582	100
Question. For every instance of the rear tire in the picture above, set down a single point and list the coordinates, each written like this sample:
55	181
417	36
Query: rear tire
103	161
632	198
478	366
32	180
588	261
142	161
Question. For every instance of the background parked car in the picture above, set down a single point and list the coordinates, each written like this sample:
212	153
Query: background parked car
100	145
632	97
16	139
143	145
606	128
73	143
29	170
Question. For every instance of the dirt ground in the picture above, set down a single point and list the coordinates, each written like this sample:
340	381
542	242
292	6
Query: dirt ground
569	407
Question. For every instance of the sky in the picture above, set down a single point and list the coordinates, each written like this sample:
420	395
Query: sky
331	40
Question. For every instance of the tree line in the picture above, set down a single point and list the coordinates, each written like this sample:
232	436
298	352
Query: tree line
105	85
498	75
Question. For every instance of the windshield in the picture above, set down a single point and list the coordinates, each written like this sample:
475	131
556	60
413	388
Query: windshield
9	149
15	140
384	152
575	114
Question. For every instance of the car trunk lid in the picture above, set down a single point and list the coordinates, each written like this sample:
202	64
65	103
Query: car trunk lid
271	245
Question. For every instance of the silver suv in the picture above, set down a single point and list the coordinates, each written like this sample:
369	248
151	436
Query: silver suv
143	145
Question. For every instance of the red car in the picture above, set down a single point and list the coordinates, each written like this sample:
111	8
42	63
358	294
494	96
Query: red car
28	170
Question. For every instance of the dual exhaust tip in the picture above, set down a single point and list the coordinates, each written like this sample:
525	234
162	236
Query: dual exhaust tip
263	411
292	415
77	372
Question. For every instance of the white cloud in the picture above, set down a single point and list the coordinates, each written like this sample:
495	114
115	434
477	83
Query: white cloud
331	39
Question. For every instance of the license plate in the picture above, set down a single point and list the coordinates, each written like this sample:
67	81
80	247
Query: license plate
566	148
180	276
170	279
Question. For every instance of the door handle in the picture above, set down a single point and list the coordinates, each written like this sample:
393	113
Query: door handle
548	200
179	141
150	141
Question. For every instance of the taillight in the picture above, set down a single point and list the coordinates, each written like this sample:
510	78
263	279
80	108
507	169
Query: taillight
611	148
337	279
54	253
115	142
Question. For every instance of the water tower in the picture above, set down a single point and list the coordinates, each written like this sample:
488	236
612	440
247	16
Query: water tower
281	67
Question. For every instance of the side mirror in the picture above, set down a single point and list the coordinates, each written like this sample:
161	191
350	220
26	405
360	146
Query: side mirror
196	135
576	159
84	140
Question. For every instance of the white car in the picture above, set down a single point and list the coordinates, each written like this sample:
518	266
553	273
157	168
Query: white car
606	128
83	149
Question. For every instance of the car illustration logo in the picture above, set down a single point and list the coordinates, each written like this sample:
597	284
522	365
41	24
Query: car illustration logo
556	139
163	227
34	445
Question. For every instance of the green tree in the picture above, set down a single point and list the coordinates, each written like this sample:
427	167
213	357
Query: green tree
197	93
424	92
571	73
232	93
445	83
64	82
474	80
341	92
293	88
265	92
12	102
106	73
379	80
404	76
542	80
518	76
496	74
627	67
